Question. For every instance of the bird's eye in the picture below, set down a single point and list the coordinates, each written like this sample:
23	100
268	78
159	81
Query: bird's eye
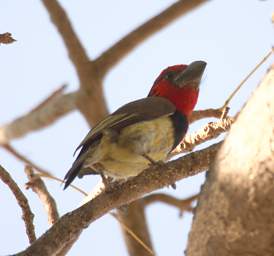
168	76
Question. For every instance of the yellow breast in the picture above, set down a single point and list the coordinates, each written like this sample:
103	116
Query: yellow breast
122	157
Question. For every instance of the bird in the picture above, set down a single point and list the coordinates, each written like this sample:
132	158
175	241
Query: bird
142	132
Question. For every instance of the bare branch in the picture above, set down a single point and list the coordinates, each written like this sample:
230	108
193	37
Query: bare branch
38	118
6	38
119	50
22	201
181	204
38	186
70	225
210	131
263	60
75	49
206	113
91	94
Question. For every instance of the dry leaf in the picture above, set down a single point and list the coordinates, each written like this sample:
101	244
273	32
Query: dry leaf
6	38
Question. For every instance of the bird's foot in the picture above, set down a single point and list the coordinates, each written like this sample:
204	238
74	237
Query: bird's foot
173	185
106	180
152	161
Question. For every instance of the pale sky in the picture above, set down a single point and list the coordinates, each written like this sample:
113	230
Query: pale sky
232	36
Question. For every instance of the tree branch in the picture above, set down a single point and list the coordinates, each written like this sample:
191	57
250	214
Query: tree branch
119	50
200	114
75	49
91	94
22	201
210	131
181	204
44	115
38	186
155	177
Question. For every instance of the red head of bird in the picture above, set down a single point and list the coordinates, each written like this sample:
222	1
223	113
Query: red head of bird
180	85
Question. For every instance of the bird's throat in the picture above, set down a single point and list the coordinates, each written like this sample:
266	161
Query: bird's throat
184	98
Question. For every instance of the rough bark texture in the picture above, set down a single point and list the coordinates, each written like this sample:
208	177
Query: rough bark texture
236	207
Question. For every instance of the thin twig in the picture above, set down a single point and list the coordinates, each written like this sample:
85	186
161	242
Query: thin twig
62	181
132	234
38	186
115	53
42	172
27	214
243	81
25	160
182	204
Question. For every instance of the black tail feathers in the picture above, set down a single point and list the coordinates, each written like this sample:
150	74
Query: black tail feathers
72	173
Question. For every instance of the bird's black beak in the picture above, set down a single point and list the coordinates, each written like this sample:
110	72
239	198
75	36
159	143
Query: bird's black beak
191	75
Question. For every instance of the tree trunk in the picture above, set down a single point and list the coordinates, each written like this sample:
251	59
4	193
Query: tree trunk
235	213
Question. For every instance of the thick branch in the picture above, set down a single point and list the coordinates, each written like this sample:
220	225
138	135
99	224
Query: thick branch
38	186
119	50
60	19
71	224
91	95
22	201
38	118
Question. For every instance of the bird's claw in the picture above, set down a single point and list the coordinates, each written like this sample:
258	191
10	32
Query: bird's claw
173	185
152	161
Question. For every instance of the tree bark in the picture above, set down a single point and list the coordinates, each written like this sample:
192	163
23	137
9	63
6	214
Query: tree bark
235	212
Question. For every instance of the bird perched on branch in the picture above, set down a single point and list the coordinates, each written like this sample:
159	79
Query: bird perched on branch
144	131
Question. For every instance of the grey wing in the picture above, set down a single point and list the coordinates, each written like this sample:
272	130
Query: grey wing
137	111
